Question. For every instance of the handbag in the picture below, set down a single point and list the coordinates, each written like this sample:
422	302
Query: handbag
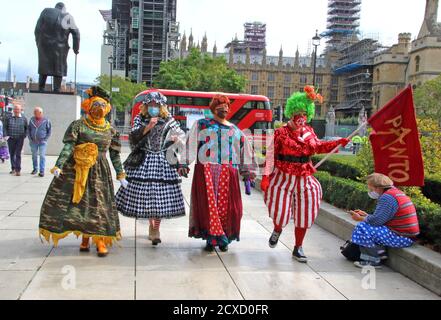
135	158
351	251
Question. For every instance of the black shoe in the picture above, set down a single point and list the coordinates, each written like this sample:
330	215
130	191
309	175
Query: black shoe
209	248
274	240
41	175
299	255
34	172
155	242
12	172
224	248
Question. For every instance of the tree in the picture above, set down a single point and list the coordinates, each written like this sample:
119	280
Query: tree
428	99
199	72
127	90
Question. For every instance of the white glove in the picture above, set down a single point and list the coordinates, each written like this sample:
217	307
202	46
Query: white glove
57	173
6	138
124	183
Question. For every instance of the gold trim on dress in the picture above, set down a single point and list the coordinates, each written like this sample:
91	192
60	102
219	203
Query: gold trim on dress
85	156
94	127
56	237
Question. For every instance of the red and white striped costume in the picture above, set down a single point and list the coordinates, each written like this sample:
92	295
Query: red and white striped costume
296	197
293	191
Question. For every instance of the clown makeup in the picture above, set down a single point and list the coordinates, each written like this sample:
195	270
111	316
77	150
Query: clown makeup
300	119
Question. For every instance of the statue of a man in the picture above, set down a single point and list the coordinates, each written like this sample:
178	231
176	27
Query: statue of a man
52	36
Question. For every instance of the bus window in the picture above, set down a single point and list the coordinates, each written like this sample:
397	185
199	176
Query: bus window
171	100
260	105
201	102
261	125
267	105
184	100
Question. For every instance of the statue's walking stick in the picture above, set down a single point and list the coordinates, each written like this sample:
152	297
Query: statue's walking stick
75	77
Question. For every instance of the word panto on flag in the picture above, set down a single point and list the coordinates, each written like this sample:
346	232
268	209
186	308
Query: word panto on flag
396	150
395	141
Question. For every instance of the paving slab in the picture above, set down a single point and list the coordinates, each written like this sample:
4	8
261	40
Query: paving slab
379	285
81	285
185	285
21	250
270	285
19	223
13	283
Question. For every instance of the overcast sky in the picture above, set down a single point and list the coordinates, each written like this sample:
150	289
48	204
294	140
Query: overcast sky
290	23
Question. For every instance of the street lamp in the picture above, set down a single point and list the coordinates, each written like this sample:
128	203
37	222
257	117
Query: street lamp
315	42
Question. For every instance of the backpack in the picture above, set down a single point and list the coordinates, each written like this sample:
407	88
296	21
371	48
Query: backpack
351	251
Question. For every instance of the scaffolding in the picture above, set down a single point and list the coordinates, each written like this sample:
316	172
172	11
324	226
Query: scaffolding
355	67
343	23
254	39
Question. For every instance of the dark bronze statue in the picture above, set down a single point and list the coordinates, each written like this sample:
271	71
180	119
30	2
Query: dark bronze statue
52	36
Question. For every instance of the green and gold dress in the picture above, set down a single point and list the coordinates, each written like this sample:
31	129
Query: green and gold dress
95	215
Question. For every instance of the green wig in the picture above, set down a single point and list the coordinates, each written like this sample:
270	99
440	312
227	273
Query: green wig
300	101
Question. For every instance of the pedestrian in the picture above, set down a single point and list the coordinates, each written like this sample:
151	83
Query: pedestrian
16	128
154	189
356	144
394	223
80	199
4	153
222	152
291	190
39	131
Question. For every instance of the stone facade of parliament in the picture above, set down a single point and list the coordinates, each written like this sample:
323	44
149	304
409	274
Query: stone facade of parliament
389	69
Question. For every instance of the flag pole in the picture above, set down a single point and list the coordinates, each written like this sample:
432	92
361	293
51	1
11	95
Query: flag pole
353	134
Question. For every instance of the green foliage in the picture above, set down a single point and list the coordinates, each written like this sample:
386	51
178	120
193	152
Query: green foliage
428	99
199	72
432	188
127	90
349	195
365	159
341	166
337	191
431	145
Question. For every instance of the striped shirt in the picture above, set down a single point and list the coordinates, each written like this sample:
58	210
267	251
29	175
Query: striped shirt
386	209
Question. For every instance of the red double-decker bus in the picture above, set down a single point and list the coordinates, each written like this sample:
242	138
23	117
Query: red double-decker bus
246	111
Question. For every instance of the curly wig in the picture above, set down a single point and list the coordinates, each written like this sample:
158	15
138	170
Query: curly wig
218	100
300	102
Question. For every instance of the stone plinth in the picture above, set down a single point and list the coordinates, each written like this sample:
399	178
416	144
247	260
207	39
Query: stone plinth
60	109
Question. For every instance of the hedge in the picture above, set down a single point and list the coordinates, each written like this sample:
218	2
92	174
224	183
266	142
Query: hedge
432	188
349	195
339	167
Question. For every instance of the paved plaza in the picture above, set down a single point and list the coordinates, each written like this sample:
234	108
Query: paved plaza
178	268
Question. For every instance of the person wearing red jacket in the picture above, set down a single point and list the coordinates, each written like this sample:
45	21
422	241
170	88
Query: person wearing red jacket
291	190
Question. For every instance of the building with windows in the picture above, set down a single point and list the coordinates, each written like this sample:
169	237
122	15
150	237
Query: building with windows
409	62
146	33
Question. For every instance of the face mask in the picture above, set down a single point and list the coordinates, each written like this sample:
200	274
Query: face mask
374	195
300	121
97	113
153	111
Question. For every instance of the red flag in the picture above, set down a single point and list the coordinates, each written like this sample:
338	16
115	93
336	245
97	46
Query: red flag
395	141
